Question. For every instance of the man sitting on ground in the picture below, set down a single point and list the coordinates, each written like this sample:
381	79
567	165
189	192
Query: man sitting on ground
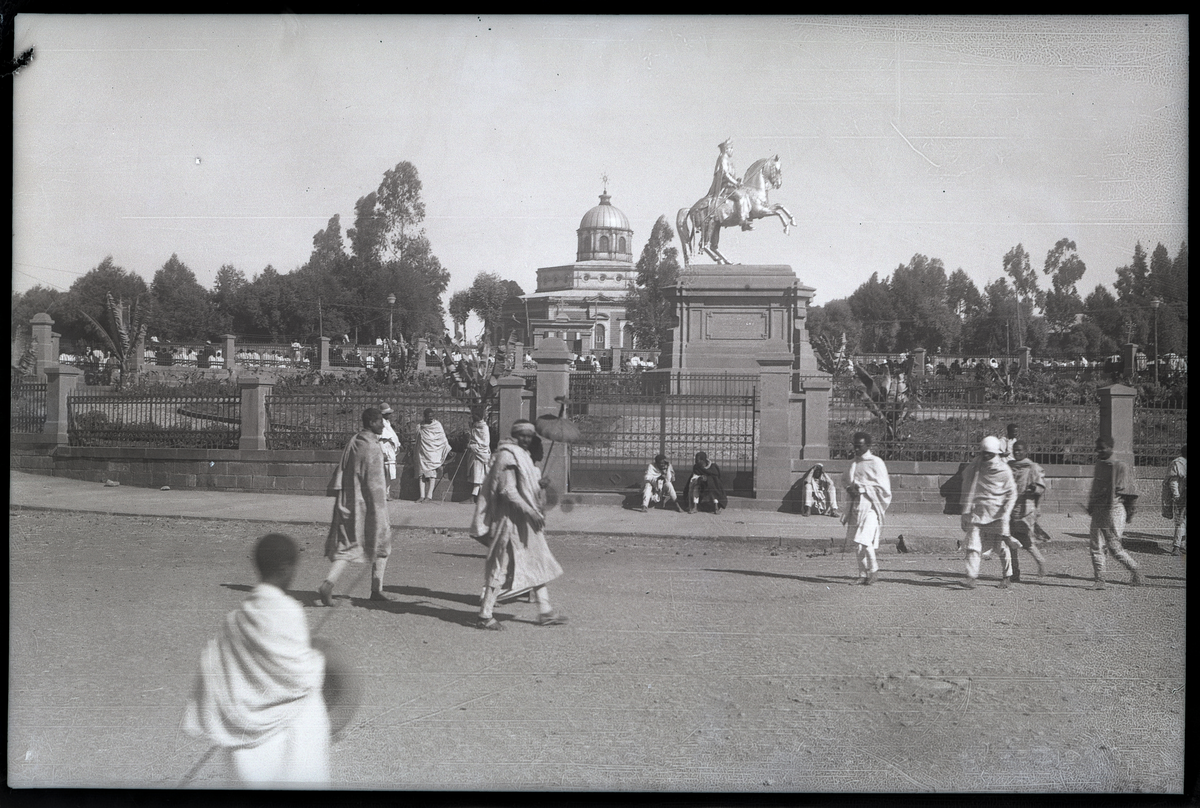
705	485
820	494
659	484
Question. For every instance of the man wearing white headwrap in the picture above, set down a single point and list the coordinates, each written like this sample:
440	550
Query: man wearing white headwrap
389	442
510	514
869	492
989	495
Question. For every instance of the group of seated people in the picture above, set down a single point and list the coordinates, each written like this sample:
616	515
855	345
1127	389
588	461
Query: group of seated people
702	487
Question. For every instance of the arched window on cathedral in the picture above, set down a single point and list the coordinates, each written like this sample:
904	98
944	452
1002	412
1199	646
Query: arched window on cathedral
621	246
599	339
604	244
627	336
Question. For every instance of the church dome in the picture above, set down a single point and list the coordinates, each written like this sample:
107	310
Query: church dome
604	215
604	234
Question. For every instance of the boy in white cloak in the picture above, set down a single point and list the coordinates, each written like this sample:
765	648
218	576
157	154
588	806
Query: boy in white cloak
869	492
258	696
432	448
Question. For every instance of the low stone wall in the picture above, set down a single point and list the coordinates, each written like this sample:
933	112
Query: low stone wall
280	471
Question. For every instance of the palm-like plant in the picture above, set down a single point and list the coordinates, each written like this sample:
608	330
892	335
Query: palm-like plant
890	398
123	337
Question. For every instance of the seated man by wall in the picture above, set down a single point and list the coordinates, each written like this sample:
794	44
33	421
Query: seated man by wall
820	493
704	485
659	484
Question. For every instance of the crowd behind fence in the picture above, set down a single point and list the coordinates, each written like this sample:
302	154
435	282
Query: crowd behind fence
328	418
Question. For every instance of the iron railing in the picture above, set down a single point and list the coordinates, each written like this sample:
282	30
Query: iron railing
1056	433
27	407
1159	430
328	419
622	431
159	421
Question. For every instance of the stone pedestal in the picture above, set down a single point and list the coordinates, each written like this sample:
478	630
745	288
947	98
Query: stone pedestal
1116	419
229	347
42	326
730	316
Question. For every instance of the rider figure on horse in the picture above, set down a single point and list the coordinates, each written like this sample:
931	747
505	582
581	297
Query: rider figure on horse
726	184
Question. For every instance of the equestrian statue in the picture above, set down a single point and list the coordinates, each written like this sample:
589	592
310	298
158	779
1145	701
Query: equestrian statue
730	202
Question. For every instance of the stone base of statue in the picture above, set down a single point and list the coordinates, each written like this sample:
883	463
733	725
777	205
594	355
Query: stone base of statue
729	317
750	320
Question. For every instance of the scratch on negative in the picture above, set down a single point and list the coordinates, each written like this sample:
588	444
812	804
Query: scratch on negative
914	148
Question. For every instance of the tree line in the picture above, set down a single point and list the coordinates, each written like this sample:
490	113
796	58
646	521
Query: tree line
921	306
339	290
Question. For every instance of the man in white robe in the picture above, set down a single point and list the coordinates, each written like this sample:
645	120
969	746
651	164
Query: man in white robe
259	693
389	442
989	496
869	492
480	447
432	448
658	484
510	516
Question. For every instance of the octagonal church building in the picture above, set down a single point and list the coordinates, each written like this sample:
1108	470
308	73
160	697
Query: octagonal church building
583	303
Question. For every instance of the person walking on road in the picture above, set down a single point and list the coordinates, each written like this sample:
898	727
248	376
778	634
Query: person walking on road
258	696
989	496
510	515
1177	506
432	448
360	530
1031	486
869	493
1112	502
389	442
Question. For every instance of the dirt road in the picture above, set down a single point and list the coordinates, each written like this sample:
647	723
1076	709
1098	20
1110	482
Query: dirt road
687	666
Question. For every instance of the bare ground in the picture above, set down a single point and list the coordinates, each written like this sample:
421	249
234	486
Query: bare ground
687	666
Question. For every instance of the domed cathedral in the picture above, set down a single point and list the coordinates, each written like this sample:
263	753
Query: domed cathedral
584	303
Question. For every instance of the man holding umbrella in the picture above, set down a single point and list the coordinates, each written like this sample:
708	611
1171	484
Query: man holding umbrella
510	516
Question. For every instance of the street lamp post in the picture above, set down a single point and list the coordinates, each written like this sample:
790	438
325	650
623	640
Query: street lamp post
391	299
1154	304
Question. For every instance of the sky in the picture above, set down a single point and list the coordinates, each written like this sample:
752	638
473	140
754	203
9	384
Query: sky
233	140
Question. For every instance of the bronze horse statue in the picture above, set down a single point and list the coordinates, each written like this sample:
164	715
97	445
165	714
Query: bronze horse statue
703	221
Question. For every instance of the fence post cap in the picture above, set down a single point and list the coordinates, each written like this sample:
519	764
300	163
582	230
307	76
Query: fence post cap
1116	390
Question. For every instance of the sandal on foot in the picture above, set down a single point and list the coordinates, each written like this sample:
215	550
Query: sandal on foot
490	624
551	619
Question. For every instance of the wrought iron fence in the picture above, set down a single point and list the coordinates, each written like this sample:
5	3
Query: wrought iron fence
27	407
160	421
1159	430
1056	434
622	430
327	419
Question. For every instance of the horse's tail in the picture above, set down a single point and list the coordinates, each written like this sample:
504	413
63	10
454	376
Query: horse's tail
687	233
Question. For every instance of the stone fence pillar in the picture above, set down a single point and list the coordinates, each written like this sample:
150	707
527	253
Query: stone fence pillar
230	346
422	349
254	412
323	355
60	383
1129	360
511	388
817	393
42	327
1023	357
919	362
780	429
1116	419
553	380
54	349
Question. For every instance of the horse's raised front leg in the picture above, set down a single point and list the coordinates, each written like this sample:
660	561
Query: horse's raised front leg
782	212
